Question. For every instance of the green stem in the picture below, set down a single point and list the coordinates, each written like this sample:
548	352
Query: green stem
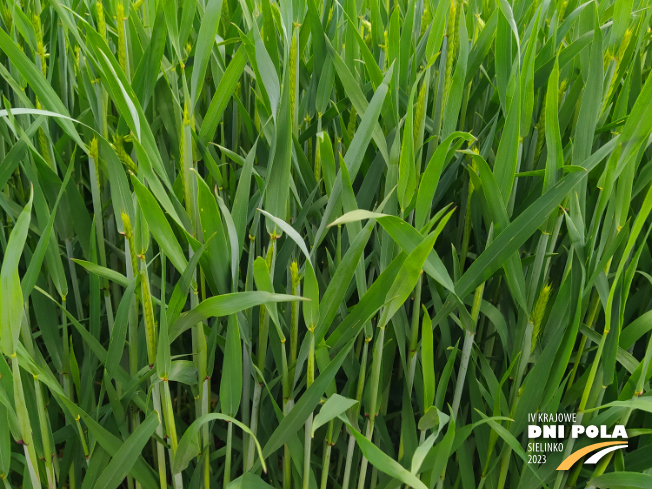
327	456
45	433
160	449
308	427
227	458
373	398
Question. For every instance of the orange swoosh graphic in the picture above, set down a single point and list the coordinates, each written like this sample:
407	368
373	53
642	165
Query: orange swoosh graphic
575	456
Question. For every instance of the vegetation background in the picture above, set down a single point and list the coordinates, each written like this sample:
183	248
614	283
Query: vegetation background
306	243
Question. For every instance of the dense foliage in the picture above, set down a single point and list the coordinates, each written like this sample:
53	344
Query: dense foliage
319	244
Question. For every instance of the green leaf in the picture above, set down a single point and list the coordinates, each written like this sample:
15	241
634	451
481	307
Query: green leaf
46	94
278	176
159	225
248	481
264	283
212	228
507	154
189	444
423	449
332	408
224	305
497	213
203	47
384	463
555	159
240	207
407	278
358	146
231	383
101	271
223	94
521	228
431	176
123	460
624	480
427	360
407	172
11	293
305	405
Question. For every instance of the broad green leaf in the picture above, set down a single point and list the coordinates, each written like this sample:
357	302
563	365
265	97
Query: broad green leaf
332	408
507	154
384	463
305	405
431	176
222	95
204	47
521	228
618	480
46	94
159	225
123	460
231	383
407	172
189	447
427	360
101	271
407	277
278	176
248	480
224	305
11	294
423	449
212	229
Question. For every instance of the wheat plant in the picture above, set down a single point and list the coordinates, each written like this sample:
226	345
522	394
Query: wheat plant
322	244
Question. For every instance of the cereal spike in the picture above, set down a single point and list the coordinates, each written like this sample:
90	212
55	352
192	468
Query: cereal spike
122	41
421	111
125	159
129	234
94	153
101	21
450	50
538	313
